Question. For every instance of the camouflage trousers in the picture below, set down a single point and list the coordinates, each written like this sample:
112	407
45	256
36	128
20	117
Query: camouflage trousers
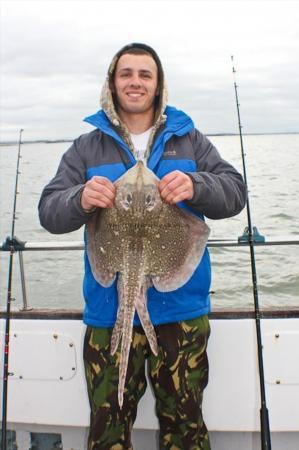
178	377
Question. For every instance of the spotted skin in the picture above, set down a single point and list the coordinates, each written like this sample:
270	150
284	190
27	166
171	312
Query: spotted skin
147	242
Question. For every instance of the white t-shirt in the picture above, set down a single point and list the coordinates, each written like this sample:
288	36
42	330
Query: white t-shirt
140	143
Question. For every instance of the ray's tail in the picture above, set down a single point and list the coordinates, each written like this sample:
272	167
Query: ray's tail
118	327
129	286
132	289
127	333
141	306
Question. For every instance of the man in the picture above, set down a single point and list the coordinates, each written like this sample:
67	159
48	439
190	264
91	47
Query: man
135	123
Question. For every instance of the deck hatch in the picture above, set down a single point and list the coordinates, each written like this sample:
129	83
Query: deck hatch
281	356
41	356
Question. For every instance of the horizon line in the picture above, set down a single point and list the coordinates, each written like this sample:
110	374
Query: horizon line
53	141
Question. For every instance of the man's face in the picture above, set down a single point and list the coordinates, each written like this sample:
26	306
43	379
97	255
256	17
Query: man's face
135	83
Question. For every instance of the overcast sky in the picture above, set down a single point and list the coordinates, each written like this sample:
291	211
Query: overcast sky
54	57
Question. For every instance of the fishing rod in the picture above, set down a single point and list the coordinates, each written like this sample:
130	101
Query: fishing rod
8	303
264	415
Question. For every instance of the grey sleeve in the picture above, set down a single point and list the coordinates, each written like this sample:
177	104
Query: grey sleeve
219	189
59	207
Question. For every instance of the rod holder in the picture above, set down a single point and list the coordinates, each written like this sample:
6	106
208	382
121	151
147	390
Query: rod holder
257	238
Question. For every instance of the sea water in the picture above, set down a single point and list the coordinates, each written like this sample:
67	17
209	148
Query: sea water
54	279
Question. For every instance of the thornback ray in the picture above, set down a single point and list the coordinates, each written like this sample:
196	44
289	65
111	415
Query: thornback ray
144	241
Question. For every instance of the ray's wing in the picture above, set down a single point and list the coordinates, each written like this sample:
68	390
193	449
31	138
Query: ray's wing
104	246
175	247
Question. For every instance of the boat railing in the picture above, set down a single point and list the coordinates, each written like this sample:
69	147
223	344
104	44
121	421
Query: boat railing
18	246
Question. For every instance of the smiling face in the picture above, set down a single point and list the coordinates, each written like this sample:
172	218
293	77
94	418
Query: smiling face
135	85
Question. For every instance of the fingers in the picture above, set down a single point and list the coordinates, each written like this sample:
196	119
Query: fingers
176	187
99	192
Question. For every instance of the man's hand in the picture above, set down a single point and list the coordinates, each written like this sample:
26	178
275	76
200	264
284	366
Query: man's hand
98	192
175	187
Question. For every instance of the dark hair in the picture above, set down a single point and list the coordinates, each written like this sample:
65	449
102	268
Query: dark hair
136	51
137	48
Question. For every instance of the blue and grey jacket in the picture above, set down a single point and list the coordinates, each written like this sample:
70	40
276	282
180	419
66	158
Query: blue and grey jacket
219	192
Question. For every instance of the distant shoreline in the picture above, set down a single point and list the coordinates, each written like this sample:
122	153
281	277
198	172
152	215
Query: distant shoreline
57	141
